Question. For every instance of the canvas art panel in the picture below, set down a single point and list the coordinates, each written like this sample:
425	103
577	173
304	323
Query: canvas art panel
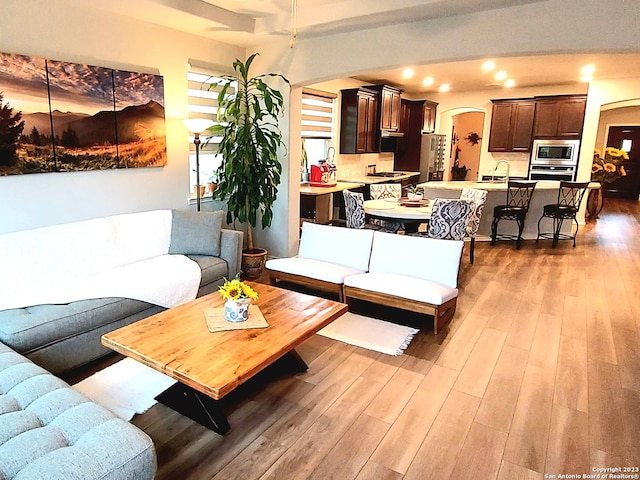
60	116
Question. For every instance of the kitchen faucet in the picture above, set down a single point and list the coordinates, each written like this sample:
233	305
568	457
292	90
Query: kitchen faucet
493	172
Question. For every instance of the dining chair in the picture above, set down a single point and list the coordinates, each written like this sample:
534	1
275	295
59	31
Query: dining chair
354	212
379	191
570	197
519	195
385	190
449	219
478	198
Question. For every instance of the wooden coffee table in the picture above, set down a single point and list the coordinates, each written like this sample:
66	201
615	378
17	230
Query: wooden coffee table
208	365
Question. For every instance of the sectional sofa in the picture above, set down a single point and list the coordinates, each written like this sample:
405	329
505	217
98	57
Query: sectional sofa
61	288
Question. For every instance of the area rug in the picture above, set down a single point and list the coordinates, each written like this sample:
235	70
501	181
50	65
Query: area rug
370	333
126	387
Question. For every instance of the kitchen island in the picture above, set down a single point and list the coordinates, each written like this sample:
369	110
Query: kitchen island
546	192
383	177
322	199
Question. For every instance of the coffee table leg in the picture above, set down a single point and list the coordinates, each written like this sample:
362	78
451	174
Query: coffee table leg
297	360
195	405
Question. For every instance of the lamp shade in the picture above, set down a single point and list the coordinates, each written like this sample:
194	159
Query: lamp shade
197	125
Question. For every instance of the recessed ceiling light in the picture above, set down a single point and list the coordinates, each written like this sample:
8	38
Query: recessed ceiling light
587	70
427	81
488	65
444	87
586	78
509	83
501	75
407	73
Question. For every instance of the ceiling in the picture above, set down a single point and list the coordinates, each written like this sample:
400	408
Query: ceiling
249	22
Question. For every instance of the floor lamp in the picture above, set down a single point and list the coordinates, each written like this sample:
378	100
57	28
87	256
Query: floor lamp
196	126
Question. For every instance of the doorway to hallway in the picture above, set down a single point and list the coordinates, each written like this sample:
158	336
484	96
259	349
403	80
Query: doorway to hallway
628	139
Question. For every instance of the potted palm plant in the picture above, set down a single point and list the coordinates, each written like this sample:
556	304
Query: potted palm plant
249	175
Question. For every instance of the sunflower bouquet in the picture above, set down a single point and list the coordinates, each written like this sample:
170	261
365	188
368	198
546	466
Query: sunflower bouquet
237	290
608	167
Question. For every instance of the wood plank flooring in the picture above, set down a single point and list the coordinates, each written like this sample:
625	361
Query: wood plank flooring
538	373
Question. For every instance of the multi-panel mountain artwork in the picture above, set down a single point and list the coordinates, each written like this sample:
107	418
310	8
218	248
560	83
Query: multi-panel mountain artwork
60	117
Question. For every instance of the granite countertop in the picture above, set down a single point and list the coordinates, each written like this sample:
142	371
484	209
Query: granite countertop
306	189
368	179
492	187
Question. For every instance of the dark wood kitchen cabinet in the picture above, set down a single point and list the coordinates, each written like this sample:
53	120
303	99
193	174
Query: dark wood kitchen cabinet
389	104
559	116
511	125
429	111
407	155
359	132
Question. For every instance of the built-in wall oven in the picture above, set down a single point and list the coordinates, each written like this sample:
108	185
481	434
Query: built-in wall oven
554	160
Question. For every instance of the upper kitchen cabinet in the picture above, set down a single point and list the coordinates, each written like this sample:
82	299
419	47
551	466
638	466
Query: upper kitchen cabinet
511	125
359	121
389	104
429	111
559	116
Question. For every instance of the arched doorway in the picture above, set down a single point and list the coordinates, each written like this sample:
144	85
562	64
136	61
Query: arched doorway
466	126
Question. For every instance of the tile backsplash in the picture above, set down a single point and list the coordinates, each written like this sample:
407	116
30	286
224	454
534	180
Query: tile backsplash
356	165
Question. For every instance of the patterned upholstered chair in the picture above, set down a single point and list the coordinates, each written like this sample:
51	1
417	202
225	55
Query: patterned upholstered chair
449	219
385	190
354	211
570	197
380	191
478	198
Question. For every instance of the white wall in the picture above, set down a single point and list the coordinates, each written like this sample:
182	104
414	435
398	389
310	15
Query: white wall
59	30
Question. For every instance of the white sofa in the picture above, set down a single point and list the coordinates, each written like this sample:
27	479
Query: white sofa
411	273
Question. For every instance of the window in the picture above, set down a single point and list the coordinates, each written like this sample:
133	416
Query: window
317	123
203	103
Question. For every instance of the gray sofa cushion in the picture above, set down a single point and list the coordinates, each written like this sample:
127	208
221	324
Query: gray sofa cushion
48	430
212	268
196	233
24	329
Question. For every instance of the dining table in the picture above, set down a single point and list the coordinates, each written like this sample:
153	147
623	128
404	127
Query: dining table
410	213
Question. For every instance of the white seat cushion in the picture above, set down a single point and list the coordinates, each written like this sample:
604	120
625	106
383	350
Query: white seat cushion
420	257
349	247
317	269
411	288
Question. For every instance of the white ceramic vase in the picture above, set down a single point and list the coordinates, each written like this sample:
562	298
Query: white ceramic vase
237	310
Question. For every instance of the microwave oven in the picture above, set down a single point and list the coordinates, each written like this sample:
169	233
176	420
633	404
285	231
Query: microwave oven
555	152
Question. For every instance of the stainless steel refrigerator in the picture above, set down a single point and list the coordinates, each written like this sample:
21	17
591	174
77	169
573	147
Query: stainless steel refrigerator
432	152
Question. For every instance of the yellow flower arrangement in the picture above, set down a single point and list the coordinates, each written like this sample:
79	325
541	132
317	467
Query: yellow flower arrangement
236	290
607	168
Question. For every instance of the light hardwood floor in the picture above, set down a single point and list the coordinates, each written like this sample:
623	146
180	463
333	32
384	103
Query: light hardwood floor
538	373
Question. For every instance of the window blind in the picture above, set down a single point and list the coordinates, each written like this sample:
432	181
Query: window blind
317	114
202	89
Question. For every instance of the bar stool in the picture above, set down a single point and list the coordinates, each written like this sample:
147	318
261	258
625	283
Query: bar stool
569	199
518	200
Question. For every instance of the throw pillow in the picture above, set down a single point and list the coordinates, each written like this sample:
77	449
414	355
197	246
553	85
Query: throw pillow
196	233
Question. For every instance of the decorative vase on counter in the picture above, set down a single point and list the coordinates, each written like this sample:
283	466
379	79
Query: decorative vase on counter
237	310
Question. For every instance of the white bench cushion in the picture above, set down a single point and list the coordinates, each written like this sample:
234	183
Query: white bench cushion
411	288
420	257
349	247
317	269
